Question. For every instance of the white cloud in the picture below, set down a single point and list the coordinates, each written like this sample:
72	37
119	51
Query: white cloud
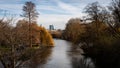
43	7
60	11
68	8
49	8
12	8
59	21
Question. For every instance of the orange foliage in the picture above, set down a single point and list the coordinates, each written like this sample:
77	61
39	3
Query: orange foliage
39	35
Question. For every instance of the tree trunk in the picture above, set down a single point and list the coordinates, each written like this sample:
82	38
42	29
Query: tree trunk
13	56
30	31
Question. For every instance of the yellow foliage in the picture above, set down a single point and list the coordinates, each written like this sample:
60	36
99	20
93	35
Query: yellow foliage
38	34
46	38
41	35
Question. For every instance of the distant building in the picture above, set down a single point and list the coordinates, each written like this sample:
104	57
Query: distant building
51	27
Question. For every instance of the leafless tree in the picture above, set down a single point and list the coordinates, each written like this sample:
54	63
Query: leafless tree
97	14
30	13
93	11
115	8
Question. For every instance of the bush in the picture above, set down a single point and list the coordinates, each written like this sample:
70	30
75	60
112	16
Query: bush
105	52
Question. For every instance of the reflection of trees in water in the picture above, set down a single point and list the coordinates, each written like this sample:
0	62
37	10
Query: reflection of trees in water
78	60
107	60
40	58
82	63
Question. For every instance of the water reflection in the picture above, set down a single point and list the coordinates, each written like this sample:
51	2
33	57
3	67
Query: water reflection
39	59
77	59
63	55
107	60
59	58
66	55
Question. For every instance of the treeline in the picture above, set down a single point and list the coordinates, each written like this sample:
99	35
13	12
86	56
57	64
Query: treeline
15	40
20	34
19	40
26	32
56	33
98	34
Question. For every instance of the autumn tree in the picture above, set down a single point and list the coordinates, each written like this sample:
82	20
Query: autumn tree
73	30
30	13
102	38
40	36
14	37
46	38
22	32
8	40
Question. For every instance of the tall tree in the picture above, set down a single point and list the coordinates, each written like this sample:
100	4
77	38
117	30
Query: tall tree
93	10
97	14
30	13
115	8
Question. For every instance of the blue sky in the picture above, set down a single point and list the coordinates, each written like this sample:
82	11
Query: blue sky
56	12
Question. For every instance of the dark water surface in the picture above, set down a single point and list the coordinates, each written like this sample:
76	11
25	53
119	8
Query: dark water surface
63	55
